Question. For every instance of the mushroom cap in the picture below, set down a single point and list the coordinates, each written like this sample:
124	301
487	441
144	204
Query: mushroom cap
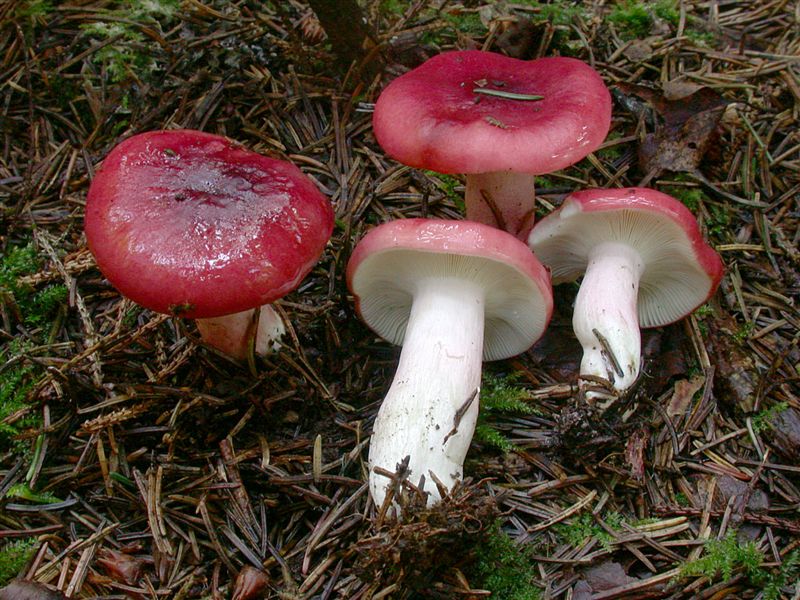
681	271
390	259
430	117
190	223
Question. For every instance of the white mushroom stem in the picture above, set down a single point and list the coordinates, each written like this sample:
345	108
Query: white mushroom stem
430	410
605	319
511	197
232	334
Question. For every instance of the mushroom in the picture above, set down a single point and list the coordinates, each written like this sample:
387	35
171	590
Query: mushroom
453	293
192	224
497	119
645	264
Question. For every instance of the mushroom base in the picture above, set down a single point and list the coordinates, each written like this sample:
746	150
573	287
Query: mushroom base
430	411
232	334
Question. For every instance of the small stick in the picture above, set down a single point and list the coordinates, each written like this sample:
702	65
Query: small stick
460	414
607	349
506	95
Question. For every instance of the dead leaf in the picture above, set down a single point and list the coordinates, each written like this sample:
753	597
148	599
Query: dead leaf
686	132
20	589
683	393
634	454
517	38
250	584
120	566
785	434
638	51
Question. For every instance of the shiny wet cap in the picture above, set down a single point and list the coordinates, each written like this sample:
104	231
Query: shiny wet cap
472	111
193	224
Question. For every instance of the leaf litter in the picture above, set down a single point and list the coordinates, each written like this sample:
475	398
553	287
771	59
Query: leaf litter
148	466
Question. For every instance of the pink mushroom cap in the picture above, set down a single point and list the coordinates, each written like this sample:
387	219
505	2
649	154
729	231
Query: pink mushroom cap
681	270
191	223
431	118
387	262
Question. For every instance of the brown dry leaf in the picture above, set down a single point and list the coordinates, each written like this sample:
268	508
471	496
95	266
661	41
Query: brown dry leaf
20	589
683	393
686	134
785	433
250	584
120	566
634	454
607	575
638	51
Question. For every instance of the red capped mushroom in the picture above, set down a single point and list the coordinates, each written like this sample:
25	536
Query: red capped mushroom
192	224
497	119
453	293
644	264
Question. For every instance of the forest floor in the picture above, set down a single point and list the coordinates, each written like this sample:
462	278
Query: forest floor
137	463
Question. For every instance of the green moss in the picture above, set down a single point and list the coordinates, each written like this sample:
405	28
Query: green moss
691	197
761	421
393	7
632	19
699	37
456	22
132	52
15	384
723	557
583	527
611	153
558	13
504	567
681	499
787	575
36	308
449	186
667	10
13	558
33	9
20	260
499	395
489	436
466	23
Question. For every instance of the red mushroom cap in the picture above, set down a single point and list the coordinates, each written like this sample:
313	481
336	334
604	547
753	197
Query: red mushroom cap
431	118
388	261
191	223
681	270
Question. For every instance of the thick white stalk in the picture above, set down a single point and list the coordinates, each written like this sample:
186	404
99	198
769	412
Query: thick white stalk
231	334
513	196
605	320
430	410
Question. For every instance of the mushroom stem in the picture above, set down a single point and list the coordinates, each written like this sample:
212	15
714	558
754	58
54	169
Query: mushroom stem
605	320
231	334
430	410
502	199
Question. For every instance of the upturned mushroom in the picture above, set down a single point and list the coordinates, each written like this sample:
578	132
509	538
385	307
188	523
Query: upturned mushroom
192	224
453	293
644	264
499	120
